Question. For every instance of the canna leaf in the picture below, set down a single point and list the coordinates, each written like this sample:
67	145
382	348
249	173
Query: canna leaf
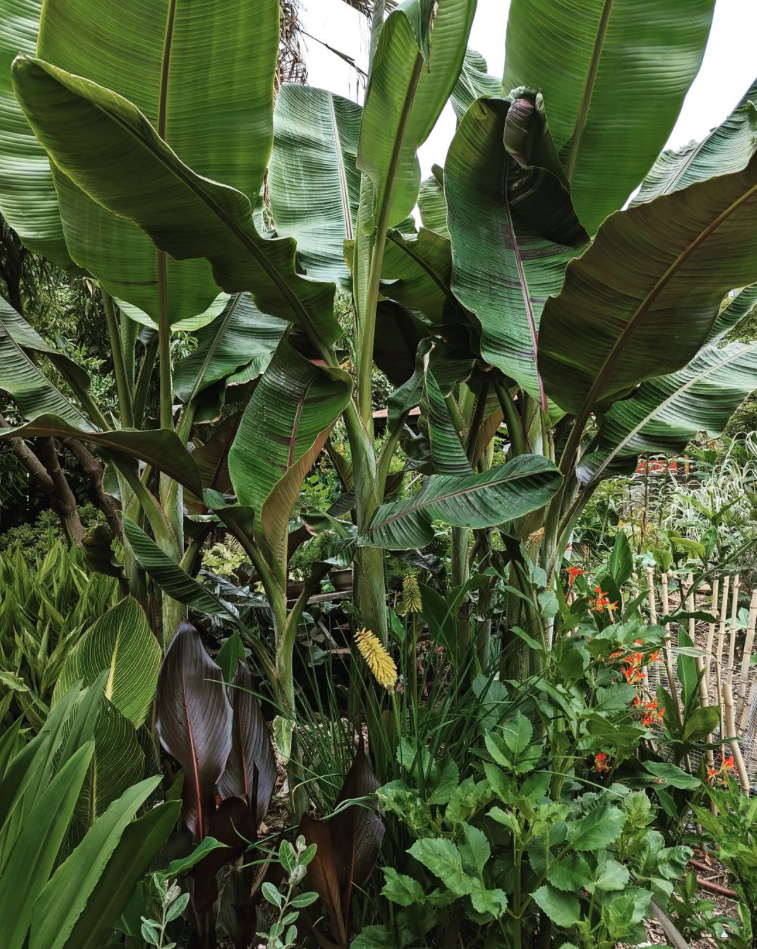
193	720
251	768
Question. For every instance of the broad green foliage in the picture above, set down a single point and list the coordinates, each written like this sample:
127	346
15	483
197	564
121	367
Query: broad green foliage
313	180
614	74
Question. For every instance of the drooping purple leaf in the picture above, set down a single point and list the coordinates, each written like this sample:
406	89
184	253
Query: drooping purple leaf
322	873
251	768
193	719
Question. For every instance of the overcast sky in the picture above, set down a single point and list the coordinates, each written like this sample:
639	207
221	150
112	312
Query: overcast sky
729	67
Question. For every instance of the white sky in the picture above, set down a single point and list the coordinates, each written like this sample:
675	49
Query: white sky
729	67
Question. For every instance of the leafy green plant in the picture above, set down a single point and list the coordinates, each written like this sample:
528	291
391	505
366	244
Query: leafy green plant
294	860
172	904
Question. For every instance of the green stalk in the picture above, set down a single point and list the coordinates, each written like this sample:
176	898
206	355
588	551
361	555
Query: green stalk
144	378
512	419
367	318
164	347
123	388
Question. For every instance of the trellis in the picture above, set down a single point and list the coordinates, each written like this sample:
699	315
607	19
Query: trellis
726	677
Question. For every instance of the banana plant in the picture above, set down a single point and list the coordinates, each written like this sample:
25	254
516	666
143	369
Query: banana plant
531	305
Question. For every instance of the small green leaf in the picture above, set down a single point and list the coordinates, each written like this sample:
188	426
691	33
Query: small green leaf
303	900
674	775
518	733
401	889
610	875
597	829
474	848
272	894
487	901
569	874
564	909
443	859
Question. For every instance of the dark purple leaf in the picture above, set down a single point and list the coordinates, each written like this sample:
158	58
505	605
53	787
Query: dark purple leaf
193	719
322	873
251	768
234	825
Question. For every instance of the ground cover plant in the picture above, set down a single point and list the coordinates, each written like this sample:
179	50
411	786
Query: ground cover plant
333	674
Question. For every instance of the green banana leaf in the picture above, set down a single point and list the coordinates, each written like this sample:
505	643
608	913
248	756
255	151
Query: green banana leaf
33	856
416	273
240	335
28	201
122	644
163	56
168	574
727	148
140	844
644	298
665	413
739	308
614	74
478	500
160	448
284	427
510	218
313	180
67	892
432	204
447	450
413	73
185	213
474	81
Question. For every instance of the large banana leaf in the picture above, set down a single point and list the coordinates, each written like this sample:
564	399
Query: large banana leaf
405	98
416	273
29	388
477	500
163	56
432	204
240	335
510	217
738	309
645	296
727	148
614	74
474	81
28	200
193	719
447	449
313	181
119	159
284	427
26	337
121	644
168	574
665	413
160	448
67	892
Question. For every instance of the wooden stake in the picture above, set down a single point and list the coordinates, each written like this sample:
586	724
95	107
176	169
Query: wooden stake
652	603
730	719
719	656
748	644
732	643
711	633
672	688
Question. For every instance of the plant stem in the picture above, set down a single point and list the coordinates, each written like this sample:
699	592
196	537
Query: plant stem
514	425
123	388
144	377
164	346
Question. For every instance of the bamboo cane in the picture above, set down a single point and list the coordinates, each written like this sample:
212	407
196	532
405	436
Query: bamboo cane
732	642
719	656
730	719
704	698
711	632
652	603
672	689
748	644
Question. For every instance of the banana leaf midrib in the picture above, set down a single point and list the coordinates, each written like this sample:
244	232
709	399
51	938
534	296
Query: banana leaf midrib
642	310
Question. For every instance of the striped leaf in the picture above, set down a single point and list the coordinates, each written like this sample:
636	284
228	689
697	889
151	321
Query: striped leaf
240	335
284	427
28	201
474	81
313	180
726	149
416	273
154	55
119	159
432	204
510	217
121	644
475	501
665	413
645	296
614	74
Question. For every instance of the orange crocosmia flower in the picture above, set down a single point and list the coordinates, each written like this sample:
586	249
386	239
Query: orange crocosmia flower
655	657
574	572
611	607
601	762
